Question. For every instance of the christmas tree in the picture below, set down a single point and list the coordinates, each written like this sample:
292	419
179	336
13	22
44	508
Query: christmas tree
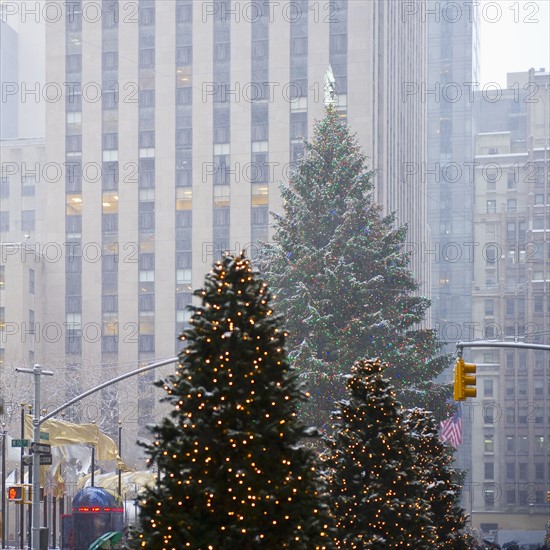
340	274
374	488
233	472
433	465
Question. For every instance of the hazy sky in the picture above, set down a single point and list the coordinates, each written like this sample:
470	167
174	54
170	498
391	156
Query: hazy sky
515	36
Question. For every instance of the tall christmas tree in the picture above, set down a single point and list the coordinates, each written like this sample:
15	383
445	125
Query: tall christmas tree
375	491
433	466
233	473
340	274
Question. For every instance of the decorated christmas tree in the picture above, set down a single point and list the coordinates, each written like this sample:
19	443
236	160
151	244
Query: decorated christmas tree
375	491
233	472
339	271
433	465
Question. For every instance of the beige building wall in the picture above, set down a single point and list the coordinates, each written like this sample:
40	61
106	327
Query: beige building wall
381	52
511	415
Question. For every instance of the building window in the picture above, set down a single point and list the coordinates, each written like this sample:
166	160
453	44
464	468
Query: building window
510	443
27	220
27	186
31	281
4	221
522	471
538	223
488	388
510	471
491	206
147	58
3	277
523	444
489	496
489	307
489	442
489	414
512	178
147	276
489	470
184	13
74	205
110	61
4	187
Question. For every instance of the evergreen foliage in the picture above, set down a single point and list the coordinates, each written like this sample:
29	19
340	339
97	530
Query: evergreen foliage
375	490
234	474
339	271
433	465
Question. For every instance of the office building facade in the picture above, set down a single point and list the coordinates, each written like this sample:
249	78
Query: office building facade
177	123
510	419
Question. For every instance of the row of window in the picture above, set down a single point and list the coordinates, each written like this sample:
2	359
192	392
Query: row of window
27	220
523	495
27	186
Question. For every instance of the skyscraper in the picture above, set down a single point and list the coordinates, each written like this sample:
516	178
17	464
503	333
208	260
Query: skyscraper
510	419
176	123
453	76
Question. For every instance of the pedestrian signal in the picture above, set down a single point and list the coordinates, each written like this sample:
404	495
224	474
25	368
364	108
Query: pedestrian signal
15	493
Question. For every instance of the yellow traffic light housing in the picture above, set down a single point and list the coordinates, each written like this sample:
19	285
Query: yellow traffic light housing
464	382
16	493
548	496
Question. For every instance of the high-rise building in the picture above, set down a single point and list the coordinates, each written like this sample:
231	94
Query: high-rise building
510	419
8	73
177	122
453	76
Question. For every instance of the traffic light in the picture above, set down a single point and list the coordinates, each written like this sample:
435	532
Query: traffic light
464	382
548	496
15	493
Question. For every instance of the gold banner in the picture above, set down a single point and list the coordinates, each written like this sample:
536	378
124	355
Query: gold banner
66	433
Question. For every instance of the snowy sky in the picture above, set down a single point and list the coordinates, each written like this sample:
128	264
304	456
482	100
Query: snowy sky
515	36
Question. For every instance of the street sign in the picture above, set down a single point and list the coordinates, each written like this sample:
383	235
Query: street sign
45	436
41	448
27	459
19	442
45	459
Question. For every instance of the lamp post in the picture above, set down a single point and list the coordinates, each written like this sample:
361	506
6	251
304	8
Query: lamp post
38	372
120	455
3	485
22	480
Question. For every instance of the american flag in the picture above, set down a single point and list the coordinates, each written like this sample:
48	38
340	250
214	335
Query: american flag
451	429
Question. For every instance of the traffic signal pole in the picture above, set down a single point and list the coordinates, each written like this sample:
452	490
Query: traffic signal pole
37	421
38	372
464	381
494	344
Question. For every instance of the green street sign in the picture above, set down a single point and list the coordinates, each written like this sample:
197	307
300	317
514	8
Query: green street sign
20	442
44	436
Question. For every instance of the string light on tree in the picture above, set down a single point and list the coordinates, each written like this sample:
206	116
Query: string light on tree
340	271
375	493
234	473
